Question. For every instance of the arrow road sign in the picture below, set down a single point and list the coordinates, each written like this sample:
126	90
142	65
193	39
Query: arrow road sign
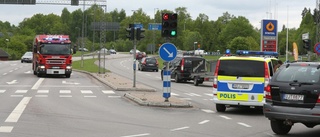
168	52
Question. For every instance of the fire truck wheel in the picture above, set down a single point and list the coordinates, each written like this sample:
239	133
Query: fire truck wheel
38	74
67	75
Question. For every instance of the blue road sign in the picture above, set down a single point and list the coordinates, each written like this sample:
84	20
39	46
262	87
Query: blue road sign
155	26
138	26
168	52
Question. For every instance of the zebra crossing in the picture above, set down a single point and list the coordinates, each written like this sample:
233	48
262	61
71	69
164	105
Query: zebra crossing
61	93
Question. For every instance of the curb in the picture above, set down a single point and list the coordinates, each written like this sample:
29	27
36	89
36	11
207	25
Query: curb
157	104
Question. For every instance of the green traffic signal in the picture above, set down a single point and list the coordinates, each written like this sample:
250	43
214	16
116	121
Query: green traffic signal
173	33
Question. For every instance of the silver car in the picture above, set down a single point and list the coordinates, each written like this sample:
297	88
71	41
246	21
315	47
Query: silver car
27	57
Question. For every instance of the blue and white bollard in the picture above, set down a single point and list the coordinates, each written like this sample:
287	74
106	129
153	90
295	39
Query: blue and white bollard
166	85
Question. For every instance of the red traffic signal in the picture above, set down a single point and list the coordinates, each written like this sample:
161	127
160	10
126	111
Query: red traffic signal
165	16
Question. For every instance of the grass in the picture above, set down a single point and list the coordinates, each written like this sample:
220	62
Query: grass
88	65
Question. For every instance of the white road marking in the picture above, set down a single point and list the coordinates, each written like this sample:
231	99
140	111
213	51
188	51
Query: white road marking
208	111
114	96
2	91
12	82
43	91
70	83
181	128
37	84
244	124
16	96
193	94
209	94
225	117
203	122
174	94
21	91
11	71
4	74
65	96
65	91
138	135
16	113
16	68
186	98
90	96
108	91
86	92
42	96
6	129
148	75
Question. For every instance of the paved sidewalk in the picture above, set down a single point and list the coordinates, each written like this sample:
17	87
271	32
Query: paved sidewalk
141	94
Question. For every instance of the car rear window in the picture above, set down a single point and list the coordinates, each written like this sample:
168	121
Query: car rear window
309	74
151	60
241	68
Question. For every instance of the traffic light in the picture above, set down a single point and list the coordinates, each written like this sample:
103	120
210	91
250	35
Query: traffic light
169	24
130	30
139	33
306	44
74	2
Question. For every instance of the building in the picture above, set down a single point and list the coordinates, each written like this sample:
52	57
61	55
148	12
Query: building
3	55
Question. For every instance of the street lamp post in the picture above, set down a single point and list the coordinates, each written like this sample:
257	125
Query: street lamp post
154	13
134	53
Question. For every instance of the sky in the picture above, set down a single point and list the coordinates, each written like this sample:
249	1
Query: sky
287	12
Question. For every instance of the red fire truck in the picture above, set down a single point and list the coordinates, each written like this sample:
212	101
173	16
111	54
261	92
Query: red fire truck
52	55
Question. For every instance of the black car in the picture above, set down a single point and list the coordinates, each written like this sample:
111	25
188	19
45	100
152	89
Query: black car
182	67
292	96
148	63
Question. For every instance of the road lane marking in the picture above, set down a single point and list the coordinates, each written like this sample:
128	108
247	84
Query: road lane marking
37	84
21	91
114	96
174	94
203	122
16	96
181	128
2	91
138	135
185	98
16	113
6	129
86	92
43	91
11	71
65	96
225	117
208	111
65	91
209	94
41	96
193	94
244	124
4	74
108	91
90	96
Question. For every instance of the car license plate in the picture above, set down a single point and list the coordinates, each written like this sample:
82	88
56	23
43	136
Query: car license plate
240	86
293	97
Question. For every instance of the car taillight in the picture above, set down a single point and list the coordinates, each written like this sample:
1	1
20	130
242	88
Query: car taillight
267	91
266	74
318	101
215	79
182	65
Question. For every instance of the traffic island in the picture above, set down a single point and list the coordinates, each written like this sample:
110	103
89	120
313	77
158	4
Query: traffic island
156	100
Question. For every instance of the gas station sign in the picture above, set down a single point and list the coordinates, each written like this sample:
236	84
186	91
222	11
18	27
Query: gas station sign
269	35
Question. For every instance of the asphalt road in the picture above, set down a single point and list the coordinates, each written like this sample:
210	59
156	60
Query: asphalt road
81	106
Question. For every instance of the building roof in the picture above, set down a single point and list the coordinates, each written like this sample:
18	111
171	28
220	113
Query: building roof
3	53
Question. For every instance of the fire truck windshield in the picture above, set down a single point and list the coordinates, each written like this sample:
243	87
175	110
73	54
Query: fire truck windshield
55	49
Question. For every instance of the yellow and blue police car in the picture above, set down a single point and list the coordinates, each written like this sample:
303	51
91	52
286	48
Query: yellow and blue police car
241	80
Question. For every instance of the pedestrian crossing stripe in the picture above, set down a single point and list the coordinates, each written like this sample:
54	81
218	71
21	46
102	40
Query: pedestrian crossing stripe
86	91
65	91
21	91
2	91
108	91
43	91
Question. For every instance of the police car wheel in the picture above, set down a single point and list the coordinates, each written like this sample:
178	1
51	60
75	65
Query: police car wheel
279	127
221	107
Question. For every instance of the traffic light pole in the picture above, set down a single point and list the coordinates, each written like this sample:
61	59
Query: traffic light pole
134	61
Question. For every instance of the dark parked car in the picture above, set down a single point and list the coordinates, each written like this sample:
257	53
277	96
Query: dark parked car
293	96
148	63
182	67
27	57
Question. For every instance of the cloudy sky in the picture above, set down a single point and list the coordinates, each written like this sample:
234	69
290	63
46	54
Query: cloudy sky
285	11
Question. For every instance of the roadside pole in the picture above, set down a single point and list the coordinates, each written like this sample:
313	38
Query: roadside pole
134	62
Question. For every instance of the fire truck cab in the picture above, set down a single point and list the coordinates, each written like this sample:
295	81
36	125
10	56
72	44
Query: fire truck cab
52	55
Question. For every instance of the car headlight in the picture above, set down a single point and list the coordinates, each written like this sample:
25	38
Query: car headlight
42	67
68	67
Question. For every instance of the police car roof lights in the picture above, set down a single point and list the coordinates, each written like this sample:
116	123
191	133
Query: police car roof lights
257	53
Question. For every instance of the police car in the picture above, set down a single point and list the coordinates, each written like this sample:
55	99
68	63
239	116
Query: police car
240	80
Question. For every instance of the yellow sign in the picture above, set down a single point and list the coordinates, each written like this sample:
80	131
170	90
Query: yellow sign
295	51
239	96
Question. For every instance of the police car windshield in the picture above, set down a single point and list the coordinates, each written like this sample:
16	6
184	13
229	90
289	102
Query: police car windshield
55	49
241	68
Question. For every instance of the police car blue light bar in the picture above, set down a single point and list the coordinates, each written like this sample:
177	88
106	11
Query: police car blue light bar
257	53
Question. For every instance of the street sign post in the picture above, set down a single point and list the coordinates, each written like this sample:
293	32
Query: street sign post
167	52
